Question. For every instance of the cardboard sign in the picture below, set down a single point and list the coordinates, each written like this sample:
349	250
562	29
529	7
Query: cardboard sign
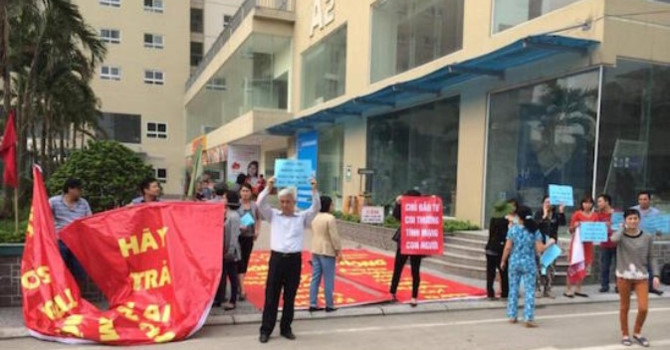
656	223
421	231
549	256
372	215
593	232
292	172
559	194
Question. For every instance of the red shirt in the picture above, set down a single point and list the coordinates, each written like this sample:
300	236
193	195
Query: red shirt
607	218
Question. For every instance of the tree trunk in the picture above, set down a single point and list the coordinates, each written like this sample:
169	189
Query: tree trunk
61	157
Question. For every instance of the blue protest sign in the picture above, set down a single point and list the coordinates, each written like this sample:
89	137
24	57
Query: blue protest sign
617	220
550	255
292	172
656	223
593	232
247	220
307	146
559	194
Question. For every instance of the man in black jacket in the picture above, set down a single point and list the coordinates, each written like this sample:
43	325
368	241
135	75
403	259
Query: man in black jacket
497	237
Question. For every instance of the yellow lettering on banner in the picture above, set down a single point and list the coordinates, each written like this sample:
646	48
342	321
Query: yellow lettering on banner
30	231
148	241
153	332
34	278
148	279
154	313
127	311
127	246
58	307
165	275
107	331
162	232
71	325
165	337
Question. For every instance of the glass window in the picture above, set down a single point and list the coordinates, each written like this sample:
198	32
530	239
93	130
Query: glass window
153	6
112	36
196	20
110	73
154	77
111	3
634	147
226	21
416	148
160	174
324	69
157	130
121	127
330	163
255	76
196	53
153	41
509	13
540	135
409	33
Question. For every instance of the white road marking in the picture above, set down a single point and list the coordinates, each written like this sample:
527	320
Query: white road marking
652	343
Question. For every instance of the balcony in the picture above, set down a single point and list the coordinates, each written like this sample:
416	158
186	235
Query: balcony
271	8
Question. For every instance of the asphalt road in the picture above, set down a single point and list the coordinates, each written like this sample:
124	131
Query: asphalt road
574	327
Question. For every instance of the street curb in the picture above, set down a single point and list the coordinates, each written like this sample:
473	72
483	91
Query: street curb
377	310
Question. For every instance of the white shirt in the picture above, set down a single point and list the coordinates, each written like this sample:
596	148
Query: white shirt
287	232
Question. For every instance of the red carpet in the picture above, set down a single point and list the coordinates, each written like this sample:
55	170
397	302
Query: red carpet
362	278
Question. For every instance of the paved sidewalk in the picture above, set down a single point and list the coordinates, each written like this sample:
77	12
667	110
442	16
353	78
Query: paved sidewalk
11	319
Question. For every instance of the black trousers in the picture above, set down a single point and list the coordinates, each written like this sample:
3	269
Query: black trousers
283	273
493	266
229	272
400	261
246	245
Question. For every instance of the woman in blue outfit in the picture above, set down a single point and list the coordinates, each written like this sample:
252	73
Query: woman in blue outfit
524	241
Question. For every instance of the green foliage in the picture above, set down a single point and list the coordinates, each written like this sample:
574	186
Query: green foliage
459	225
110	173
7	234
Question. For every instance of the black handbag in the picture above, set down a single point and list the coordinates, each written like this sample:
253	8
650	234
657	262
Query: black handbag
396	235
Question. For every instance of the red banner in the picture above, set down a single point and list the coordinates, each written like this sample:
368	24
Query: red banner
421	227
345	293
158	265
374	271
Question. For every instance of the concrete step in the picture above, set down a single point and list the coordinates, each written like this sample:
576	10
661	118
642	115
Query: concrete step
464	250
467	242
474	235
456	269
454	258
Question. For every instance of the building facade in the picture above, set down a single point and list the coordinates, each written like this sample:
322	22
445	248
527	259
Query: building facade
474	101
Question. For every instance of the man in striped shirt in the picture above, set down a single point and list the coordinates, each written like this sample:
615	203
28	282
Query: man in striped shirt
66	208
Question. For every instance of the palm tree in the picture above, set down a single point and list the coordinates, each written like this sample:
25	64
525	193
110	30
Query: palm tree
54	54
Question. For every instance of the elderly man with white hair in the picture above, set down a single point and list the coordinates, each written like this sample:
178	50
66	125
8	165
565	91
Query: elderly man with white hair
287	228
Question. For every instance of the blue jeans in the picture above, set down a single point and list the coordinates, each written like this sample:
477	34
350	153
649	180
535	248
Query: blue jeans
71	262
607	257
322	266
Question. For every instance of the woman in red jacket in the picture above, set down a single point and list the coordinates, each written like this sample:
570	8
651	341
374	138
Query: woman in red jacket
577	270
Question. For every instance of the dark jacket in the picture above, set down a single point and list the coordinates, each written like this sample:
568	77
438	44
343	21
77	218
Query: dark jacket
497	236
549	227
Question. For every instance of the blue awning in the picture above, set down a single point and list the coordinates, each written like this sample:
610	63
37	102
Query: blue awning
496	63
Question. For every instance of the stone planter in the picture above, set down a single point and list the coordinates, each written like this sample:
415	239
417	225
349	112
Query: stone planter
374	236
10	277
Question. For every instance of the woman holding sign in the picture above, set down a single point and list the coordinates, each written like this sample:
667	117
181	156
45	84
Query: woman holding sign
250	228
633	261
401	259
578	264
524	241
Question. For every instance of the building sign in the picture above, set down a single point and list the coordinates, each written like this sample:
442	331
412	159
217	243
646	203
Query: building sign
372	215
307	146
323	14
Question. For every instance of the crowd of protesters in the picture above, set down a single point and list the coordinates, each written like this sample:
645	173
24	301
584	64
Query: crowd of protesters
517	239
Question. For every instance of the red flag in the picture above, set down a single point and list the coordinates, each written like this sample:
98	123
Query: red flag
8	153
158	264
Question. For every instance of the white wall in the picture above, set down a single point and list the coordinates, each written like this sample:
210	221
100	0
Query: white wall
214	12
